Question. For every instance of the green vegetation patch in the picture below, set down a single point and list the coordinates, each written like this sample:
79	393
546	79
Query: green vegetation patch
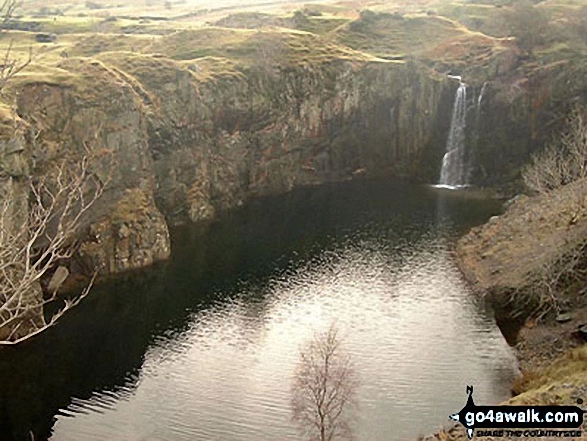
249	48
42	74
95	44
92	81
212	68
394	35
151	72
211	41
252	20
484	18
316	24
467	53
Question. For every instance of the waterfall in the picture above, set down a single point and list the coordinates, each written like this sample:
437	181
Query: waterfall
453	172
481	95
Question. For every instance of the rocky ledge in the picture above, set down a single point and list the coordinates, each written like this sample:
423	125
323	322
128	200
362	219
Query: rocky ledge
134	235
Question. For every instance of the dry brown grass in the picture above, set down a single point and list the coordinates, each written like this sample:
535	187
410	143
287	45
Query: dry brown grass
562	382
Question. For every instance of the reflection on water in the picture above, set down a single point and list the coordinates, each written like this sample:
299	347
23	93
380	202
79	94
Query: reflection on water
205	348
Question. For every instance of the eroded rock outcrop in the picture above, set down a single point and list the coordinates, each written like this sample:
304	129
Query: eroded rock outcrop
133	235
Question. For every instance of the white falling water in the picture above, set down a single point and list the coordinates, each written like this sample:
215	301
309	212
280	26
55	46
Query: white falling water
453	172
473	140
481	95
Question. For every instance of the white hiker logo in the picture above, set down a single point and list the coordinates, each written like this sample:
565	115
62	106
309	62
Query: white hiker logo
469	407
518	417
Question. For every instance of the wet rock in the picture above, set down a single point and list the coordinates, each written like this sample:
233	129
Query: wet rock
193	145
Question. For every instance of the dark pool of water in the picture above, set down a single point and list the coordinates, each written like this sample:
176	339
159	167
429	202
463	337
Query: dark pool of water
204	346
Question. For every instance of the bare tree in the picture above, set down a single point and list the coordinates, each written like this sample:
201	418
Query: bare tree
324	389
39	219
545	289
7	8
563	161
35	237
10	65
545	171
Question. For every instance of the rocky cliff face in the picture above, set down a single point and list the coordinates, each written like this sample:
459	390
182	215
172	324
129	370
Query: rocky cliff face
524	106
180	140
94	114
133	235
244	136
513	120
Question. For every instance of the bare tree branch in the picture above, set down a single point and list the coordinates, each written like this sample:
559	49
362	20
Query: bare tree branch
7	11
563	163
57	206
10	66
324	389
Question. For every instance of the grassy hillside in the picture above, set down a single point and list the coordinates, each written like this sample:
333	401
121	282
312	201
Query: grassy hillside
448	36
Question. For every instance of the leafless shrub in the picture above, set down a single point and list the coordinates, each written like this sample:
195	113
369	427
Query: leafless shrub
7	8
554	276
562	161
10	66
58	203
559	174
324	389
546	171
